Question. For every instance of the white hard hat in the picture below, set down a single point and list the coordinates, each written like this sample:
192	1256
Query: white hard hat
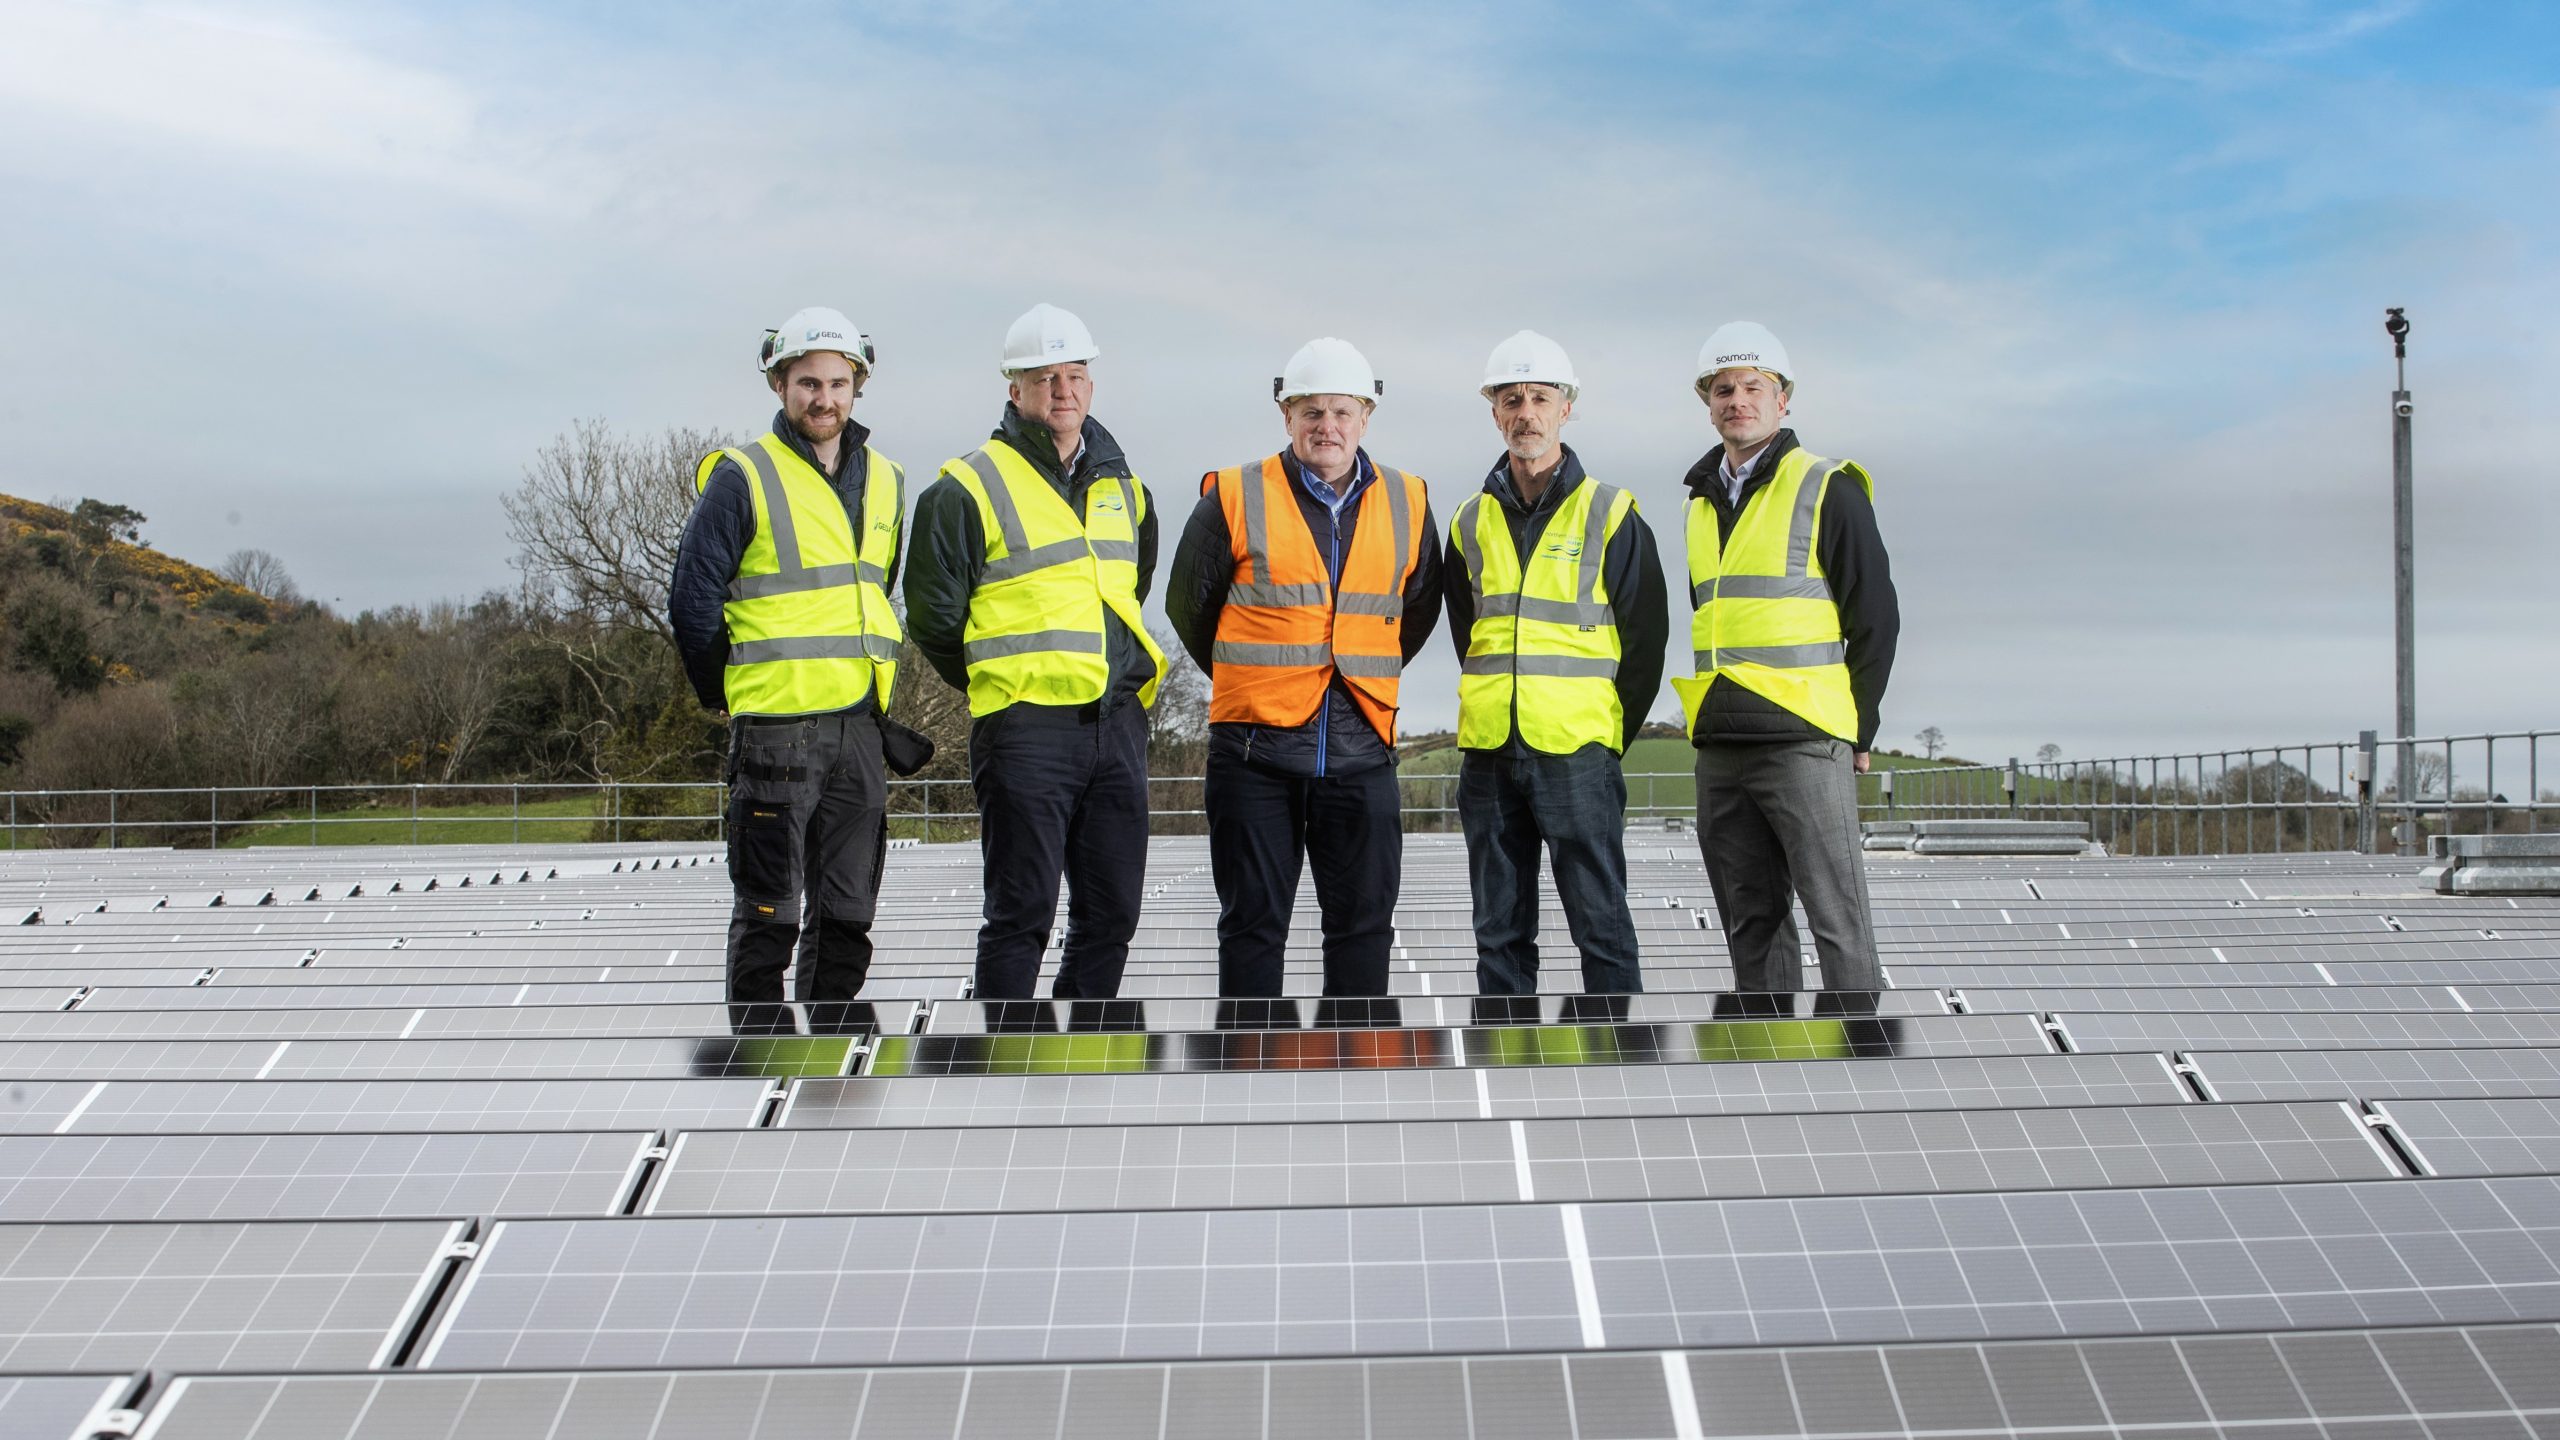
816	328
1533	359
1747	344
1046	335
1327	367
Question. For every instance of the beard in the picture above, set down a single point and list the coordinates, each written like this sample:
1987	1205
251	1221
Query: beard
817	429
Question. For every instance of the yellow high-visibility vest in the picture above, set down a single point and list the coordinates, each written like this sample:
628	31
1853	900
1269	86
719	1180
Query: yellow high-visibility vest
810	624
1544	649
1036	629
1765	617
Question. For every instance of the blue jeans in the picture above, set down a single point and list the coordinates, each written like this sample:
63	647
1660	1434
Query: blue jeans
1576	805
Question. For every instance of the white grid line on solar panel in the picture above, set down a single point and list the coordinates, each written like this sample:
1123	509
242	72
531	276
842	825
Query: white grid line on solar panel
2450	1072
647	967
2384	946
400	1022
2478	1380
1735	1087
591	1058
1182	1284
2519	1136
1185	1167
36	997
192	1107
341	1176
1907	975
275	1295
2140	1030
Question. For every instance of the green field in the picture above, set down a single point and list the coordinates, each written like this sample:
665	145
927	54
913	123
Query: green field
1660	777
570	819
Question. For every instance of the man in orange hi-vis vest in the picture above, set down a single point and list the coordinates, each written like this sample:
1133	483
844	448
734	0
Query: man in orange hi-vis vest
1303	583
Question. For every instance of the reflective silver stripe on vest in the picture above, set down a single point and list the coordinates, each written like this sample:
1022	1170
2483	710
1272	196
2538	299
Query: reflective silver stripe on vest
1257	527
1769	587
1553	612
1775	657
1364	602
805	647
1576	667
1115	550
1595	542
1023	562
1385	667
1399	514
777	507
1276	595
1071	642
1258	652
816	577
1818	473
1000	500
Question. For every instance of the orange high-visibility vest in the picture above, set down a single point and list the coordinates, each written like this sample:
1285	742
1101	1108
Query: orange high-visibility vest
1285	631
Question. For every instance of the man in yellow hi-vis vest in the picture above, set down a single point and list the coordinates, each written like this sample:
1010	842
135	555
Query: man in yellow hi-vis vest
1557	606
1793	633
780	608
1033	553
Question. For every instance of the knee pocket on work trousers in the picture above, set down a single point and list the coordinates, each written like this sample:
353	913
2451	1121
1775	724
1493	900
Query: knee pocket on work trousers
765	829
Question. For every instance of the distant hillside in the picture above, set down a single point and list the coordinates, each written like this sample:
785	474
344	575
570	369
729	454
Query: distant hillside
59	540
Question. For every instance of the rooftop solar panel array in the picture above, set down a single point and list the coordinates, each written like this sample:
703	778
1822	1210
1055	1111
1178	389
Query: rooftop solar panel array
456	1141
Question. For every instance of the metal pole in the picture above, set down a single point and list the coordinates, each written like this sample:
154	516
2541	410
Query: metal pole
315	814
413	814
2404	574
213	818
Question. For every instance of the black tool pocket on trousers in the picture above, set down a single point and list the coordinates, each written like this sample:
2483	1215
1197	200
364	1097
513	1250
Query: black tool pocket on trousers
764	835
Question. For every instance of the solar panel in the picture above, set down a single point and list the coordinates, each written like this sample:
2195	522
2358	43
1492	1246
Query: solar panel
1894	1083
349	1021
2088	1030
1461	1278
2448	1381
1163	1167
2356	1074
455	1106
633	1057
2478	1137
60	1407
313	1177
1206	1012
202	1296
1356	1046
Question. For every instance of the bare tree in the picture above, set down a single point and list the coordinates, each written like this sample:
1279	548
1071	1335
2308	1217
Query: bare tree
598	517
1932	740
455	670
2047	753
260	573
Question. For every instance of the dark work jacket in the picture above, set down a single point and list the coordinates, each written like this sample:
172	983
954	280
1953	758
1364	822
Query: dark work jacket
716	539
1337	739
1853	560
1631	572
950	554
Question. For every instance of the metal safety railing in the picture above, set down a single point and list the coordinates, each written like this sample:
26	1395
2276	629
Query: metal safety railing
2333	795
2368	794
203	816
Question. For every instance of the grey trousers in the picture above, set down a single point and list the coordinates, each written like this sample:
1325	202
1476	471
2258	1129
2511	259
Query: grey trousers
1776	821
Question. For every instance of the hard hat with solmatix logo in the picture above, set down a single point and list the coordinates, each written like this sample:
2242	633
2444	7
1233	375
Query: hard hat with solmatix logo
1046	335
816	328
1327	367
1529	358
1745	344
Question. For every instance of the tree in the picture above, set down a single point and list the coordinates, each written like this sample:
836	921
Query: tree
260	573
50	623
99	522
1932	740
2047	753
598	517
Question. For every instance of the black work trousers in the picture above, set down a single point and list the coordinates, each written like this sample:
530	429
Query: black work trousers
1263	828
1060	793
808	833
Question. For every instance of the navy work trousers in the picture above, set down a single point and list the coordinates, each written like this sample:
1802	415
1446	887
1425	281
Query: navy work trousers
1576	807
1263	829
1060	793
808	833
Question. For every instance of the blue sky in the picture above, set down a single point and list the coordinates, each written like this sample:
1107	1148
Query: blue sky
2094	289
